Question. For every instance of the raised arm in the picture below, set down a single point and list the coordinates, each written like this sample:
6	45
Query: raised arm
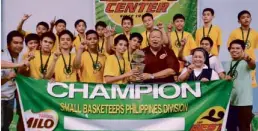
78	57
109	38
51	68
52	24
164	33
24	18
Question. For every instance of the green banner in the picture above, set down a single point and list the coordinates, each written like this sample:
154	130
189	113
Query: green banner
186	106
111	12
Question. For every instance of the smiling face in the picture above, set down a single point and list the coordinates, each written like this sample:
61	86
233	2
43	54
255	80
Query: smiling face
127	25
66	42
121	46
16	45
198	59
155	39
179	24
236	51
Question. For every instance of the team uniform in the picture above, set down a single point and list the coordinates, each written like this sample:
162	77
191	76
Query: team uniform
116	67
176	38
64	71
92	67
214	32
39	65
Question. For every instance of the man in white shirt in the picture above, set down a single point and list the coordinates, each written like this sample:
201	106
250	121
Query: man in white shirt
8	86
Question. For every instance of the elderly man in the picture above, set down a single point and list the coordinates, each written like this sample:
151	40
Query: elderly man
160	62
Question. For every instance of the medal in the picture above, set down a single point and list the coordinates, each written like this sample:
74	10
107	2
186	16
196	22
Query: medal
95	64
43	67
178	42
122	71
247	42
233	72
67	68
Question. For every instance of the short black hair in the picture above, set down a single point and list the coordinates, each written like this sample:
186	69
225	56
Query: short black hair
209	10
147	14
31	36
242	13
239	42
100	23
60	21
127	18
120	37
178	16
137	35
50	35
45	24
12	34
205	54
92	32
208	39
66	32
77	22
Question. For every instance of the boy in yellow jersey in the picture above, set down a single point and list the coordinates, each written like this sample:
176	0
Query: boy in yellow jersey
134	44
62	65
80	26
209	30
60	25
248	35
42	27
91	62
127	24
148	22
32	42
178	35
100	27
39	65
117	68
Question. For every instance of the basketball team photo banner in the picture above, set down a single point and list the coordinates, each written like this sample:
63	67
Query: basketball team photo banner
185	106
111	12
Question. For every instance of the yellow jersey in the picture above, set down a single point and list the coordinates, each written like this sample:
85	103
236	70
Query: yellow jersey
190	43
112	67
252	42
62	73
214	32
145	40
88	73
35	64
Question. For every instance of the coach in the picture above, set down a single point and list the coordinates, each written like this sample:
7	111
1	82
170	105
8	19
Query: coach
160	62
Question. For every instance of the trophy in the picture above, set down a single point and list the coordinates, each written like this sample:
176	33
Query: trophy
137	63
